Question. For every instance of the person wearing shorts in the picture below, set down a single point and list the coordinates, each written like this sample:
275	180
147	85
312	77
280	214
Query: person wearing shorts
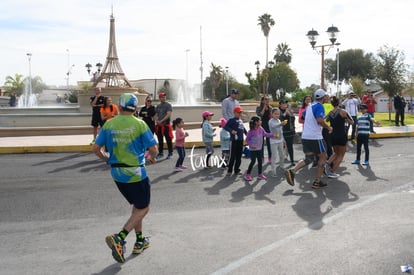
337	117
97	101
312	140
126	139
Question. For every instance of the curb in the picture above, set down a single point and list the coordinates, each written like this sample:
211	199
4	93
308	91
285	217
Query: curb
73	148
87	148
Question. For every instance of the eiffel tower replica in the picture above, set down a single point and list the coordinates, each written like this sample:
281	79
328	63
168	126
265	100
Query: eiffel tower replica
112	75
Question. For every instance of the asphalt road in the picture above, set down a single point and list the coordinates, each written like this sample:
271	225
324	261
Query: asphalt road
56	209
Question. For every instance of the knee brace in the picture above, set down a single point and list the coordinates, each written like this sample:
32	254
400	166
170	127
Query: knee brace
308	159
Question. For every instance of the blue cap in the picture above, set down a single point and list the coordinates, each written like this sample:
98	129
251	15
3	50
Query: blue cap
128	101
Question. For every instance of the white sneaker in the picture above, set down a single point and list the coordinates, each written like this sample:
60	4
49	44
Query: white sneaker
332	175
178	169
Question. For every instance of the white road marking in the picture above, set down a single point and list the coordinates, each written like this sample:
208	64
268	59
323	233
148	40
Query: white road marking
261	251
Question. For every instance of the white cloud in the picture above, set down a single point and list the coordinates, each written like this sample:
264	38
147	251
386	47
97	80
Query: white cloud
152	36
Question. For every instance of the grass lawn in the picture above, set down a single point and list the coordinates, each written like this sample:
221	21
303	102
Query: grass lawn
383	118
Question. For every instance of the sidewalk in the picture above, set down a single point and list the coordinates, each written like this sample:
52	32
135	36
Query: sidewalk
80	143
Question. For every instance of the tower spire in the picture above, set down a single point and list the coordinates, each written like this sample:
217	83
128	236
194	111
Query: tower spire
112	74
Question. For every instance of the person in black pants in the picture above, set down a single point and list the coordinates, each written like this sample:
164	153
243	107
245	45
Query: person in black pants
163	126
399	106
236	129
288	129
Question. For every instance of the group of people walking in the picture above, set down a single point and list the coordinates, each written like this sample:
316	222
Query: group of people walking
130	143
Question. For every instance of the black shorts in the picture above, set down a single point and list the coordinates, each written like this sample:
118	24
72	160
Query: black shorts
313	147
338	140
136	193
96	119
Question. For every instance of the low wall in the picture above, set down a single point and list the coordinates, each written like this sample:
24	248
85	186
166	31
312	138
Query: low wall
58	121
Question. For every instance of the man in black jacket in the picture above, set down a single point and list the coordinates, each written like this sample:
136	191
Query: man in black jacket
399	106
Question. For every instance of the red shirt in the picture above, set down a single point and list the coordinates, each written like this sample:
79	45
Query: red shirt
370	102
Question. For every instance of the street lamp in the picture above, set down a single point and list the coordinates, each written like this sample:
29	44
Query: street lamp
337	73
227	80
257	63
98	70
67	76
27	97
270	65
312	36
186	71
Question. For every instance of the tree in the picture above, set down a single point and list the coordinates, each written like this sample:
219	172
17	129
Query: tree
299	94
253	84
216	76
358	86
352	63
14	84
282	80
37	84
283	53
266	22
391	71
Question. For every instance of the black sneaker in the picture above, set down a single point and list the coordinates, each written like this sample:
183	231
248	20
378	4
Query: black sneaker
290	176
318	184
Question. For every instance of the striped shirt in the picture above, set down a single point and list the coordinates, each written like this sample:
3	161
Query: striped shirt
363	123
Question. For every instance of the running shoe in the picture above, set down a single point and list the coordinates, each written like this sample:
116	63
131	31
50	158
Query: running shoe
140	246
290	176
178	169
261	177
117	246
356	161
183	167
318	184
332	175
366	163
248	177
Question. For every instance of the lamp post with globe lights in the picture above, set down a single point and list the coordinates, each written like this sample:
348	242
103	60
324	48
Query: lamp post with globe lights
312	36
96	73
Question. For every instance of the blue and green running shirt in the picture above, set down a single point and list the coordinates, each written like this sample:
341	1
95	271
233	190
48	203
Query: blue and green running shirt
126	139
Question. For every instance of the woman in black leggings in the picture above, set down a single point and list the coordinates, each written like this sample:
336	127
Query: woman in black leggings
288	129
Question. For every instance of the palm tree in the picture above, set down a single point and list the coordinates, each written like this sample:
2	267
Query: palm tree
14	84
266	22
283	53
216	76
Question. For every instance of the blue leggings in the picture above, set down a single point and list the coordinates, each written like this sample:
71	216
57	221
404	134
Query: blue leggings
181	156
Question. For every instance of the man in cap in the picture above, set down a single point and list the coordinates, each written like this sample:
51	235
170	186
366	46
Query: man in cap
236	129
163	126
351	106
312	140
126	138
228	104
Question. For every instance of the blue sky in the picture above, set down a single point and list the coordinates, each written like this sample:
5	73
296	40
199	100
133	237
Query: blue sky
153	36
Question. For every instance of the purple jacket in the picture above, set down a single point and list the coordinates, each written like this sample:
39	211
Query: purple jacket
254	138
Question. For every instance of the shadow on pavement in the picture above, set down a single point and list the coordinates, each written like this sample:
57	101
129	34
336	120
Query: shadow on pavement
308	207
367	172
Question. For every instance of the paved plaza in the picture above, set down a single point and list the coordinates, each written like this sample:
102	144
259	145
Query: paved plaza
57	208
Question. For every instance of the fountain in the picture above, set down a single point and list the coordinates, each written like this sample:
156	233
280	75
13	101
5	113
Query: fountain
185	97
27	99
